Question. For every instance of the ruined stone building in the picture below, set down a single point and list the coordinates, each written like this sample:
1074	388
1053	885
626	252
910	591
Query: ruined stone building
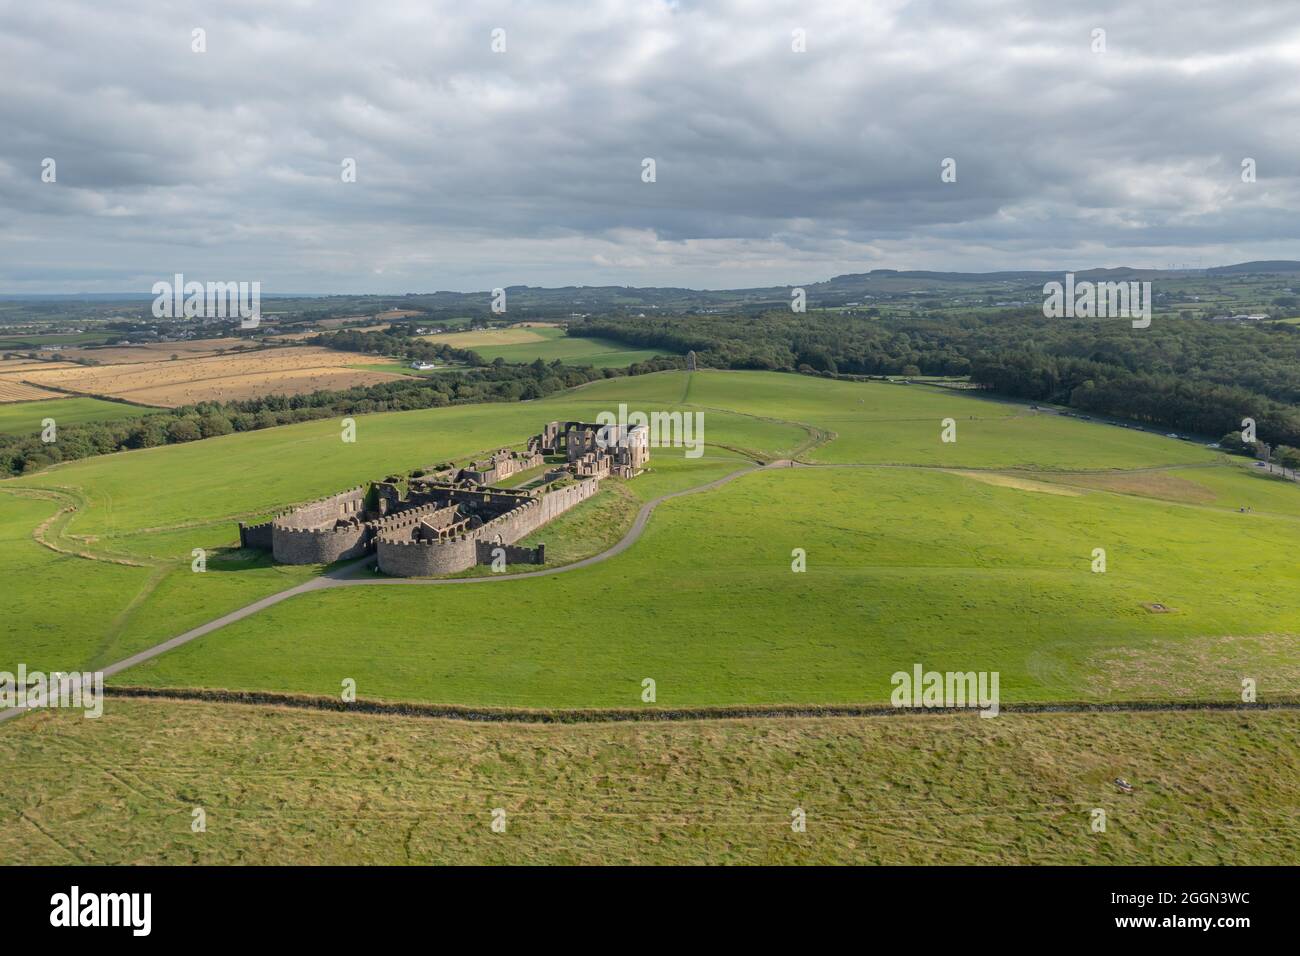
452	519
596	450
502	464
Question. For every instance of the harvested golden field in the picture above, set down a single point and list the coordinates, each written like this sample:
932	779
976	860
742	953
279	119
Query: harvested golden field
325	327
283	371
12	390
14	371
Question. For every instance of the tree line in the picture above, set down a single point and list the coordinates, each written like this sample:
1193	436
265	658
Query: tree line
1181	373
21	454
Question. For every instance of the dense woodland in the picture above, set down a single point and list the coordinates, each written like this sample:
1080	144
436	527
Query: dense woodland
1186	374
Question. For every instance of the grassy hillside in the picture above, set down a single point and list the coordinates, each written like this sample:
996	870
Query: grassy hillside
255	472
974	555
20	418
282	786
970	555
125	552
904	565
67	611
523	345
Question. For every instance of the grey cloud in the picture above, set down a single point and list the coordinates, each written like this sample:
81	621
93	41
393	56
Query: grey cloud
478	169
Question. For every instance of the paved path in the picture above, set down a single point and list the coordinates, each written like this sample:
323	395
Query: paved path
1275	469
349	575
355	574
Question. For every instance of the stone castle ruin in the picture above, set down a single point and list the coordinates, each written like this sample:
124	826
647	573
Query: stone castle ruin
597	451
454	518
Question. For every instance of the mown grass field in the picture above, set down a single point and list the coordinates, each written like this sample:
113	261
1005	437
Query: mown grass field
23	418
292	787
253	473
403	368
523	345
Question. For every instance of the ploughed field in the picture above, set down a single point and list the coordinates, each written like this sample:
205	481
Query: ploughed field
975	555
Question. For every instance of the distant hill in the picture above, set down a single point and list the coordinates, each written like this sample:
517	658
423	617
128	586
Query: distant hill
926	288
1263	265
1031	275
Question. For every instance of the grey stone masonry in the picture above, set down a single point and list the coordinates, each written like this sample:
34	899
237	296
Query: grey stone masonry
443	526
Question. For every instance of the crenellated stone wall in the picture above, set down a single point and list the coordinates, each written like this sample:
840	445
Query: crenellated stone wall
514	554
325	511
309	534
319	545
255	535
440	527
403	557
502	464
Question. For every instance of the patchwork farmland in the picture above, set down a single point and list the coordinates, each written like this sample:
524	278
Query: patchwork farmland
149	351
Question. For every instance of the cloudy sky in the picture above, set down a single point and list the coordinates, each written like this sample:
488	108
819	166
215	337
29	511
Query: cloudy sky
477	168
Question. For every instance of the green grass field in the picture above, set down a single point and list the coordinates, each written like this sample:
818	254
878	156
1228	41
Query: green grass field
153	509
972	555
36	340
402	368
547	344
903	566
20	418
292	787
908	561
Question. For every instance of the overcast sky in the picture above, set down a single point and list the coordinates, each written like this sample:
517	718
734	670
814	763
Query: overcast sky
477	169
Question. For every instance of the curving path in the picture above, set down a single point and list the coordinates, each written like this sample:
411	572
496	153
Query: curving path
348	575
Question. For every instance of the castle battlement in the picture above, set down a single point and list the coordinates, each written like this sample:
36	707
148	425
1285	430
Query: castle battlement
440	527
